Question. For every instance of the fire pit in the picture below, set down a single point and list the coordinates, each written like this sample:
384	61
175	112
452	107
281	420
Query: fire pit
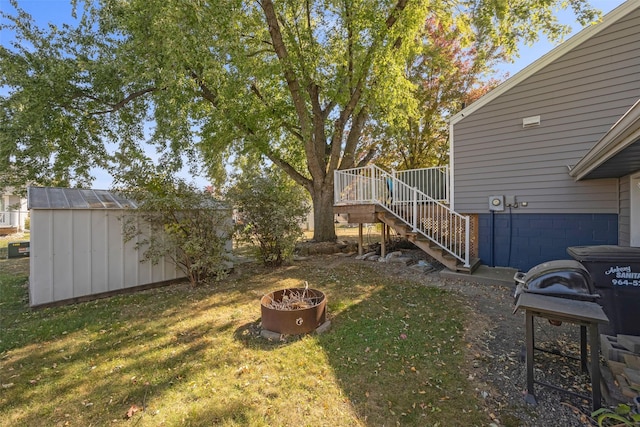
293	311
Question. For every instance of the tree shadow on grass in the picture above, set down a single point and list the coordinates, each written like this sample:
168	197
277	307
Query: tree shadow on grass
399	356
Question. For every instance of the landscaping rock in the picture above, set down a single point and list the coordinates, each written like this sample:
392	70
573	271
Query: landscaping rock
324	327
401	260
365	256
630	342
394	254
423	267
270	335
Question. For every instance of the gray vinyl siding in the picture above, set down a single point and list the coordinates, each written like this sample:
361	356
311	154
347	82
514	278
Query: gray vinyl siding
624	219
578	97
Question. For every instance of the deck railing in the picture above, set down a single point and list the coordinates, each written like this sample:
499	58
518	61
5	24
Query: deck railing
434	182
12	218
424	214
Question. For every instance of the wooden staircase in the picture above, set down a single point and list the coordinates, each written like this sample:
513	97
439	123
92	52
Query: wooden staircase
426	245
370	194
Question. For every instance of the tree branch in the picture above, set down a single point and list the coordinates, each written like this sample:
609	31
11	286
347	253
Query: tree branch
357	91
206	92
117	106
290	170
288	126
348	158
283	57
367	158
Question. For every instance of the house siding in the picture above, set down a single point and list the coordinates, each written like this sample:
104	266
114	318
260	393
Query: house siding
579	97
525	240
624	222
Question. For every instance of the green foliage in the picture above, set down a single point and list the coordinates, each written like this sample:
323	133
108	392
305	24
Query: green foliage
270	208
175	220
622	415
296	82
448	71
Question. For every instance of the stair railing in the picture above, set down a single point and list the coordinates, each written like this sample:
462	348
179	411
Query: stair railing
425	215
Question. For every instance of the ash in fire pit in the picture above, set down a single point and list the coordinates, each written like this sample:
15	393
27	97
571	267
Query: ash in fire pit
293	311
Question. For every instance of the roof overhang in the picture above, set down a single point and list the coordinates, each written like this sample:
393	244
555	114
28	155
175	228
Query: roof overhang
609	19
617	153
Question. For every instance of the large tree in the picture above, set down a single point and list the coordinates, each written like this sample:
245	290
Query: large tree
447	73
294	80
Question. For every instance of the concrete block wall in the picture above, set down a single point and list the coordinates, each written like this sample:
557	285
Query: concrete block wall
521	240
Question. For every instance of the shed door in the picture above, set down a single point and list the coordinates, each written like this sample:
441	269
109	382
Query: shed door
635	211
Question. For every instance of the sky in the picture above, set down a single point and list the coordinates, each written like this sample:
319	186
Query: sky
59	11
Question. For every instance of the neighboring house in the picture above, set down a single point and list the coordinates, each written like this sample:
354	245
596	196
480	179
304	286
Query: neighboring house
551	158
13	212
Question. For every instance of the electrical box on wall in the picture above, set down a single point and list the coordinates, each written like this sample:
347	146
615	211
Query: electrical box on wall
496	203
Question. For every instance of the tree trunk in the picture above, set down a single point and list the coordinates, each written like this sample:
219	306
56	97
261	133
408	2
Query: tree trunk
323	226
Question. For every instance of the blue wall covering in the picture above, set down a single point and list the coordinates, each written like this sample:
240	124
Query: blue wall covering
524	240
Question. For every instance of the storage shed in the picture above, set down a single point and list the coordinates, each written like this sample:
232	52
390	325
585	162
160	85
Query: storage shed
78	250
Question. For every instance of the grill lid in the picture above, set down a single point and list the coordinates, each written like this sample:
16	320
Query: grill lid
561	278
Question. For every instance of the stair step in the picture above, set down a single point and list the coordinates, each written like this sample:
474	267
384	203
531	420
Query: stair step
427	245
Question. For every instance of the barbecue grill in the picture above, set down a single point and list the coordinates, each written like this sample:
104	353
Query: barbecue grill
561	278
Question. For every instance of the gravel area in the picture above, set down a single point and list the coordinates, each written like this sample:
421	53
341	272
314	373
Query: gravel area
497	358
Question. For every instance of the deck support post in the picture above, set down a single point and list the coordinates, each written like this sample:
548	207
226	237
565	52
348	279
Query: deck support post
383	240
360	248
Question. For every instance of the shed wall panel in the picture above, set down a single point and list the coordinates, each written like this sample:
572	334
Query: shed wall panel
63	255
81	251
99	254
132	262
144	269
41	258
115	252
579	97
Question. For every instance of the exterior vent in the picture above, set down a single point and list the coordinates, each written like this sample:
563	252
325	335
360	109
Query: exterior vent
532	121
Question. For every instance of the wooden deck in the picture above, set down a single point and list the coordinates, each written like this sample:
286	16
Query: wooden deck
359	214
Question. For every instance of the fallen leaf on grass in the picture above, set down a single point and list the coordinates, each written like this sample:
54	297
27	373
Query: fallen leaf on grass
132	411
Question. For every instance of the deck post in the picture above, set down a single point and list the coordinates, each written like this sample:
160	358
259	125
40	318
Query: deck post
415	209
360	248
383	241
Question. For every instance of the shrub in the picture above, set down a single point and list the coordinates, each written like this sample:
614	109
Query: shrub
270	208
175	220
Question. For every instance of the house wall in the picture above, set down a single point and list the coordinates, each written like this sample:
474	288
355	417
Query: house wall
578	98
13	211
624	232
80	252
522	241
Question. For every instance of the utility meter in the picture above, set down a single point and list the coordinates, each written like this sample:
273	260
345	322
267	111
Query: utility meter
496	203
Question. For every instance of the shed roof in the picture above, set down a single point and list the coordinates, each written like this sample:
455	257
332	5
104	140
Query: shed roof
75	198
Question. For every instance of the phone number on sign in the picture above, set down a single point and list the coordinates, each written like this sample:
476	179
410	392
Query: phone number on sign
625	282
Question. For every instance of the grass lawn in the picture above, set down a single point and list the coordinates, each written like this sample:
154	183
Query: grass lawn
183	356
18	237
